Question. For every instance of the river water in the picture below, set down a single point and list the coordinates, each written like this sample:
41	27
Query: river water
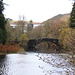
32	63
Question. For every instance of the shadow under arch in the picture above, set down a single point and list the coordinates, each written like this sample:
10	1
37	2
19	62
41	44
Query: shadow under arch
33	42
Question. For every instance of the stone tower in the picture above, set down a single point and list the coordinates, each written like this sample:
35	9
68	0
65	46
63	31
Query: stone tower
30	26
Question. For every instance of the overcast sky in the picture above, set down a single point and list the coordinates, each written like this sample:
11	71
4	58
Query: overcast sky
36	10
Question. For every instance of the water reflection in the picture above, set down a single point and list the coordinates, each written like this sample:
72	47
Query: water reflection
2	64
20	64
32	64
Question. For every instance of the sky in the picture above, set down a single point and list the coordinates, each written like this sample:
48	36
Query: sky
36	10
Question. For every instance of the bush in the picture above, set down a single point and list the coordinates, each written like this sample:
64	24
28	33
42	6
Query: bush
67	39
7	48
23	41
62	36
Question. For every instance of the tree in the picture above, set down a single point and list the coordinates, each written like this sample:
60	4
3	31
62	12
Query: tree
2	24
21	26
36	32
9	30
72	17
46	29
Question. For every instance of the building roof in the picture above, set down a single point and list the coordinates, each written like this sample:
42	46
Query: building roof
16	22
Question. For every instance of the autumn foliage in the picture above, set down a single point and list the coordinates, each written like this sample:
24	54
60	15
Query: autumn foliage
23	41
8	48
67	39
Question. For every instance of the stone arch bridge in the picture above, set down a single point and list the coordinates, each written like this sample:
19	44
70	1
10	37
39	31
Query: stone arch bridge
33	42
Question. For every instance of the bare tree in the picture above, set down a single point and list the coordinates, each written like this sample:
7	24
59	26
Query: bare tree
21	24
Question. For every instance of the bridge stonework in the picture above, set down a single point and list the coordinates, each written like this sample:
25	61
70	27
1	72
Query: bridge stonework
33	42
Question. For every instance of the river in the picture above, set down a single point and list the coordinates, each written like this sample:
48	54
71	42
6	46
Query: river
32	63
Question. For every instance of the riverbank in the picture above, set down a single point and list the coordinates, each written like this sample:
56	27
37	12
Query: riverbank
21	50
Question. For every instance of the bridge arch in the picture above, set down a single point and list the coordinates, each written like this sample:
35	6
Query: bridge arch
33	42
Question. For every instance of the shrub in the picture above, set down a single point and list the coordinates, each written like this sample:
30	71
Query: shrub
23	41
67	39
7	48
62	36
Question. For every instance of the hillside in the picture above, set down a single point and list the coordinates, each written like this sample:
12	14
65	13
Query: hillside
58	17
52	27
